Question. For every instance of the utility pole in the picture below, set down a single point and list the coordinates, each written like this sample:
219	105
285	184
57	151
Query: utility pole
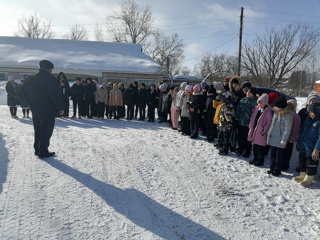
240	42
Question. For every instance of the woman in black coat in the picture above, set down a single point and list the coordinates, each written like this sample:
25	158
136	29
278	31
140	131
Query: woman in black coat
130	98
89	90
142	101
77	94
152	102
12	98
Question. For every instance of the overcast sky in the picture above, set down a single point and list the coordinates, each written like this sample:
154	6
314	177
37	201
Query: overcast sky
204	25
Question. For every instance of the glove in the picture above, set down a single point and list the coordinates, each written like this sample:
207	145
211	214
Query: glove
315	155
298	146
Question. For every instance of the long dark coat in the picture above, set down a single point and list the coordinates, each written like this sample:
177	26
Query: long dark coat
12	98
77	92
43	94
142	98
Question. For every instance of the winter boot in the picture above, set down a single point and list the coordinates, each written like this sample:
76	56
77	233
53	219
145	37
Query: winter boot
223	151
307	181
300	178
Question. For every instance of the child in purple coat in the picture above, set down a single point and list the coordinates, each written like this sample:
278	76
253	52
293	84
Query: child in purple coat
259	125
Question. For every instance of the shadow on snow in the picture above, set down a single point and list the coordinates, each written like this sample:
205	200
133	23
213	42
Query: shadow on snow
4	160
139	208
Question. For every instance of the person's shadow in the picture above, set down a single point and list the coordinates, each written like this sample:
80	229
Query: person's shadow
139	208
4	161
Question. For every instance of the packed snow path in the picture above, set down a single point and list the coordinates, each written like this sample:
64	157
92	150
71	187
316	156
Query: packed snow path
136	180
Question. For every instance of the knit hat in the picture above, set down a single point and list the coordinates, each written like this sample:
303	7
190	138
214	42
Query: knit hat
246	84
294	102
184	84
103	86
45	64
204	84
189	88
176	89
272	97
162	87
197	87
314	108
171	88
281	102
253	90
313	95
264	98
10	78
78	79
227	79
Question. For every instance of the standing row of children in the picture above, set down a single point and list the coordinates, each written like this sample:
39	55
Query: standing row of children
242	121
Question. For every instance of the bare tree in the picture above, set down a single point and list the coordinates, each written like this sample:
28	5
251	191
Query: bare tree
168	52
270	57
98	33
77	32
216	67
131	23
34	27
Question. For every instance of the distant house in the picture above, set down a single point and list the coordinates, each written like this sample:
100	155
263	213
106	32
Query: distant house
102	61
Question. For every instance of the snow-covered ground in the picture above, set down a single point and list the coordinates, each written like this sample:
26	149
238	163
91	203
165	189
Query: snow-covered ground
136	180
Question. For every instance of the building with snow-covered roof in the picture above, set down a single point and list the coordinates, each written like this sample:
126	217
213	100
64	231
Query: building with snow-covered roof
103	61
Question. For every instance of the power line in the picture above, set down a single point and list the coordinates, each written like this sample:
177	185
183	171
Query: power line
210	50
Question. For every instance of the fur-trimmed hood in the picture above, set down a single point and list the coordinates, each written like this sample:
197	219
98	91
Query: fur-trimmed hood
231	82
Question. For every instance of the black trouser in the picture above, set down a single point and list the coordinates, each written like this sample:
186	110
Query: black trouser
185	125
287	156
115	112
211	128
226	140
243	143
142	113
194	126
258	153
66	105
276	159
130	111
308	165
90	108
25	111
151	112
101	107
75	104
135	111
43	128
13	111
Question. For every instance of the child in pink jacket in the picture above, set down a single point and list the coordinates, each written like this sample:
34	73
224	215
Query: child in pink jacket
259	125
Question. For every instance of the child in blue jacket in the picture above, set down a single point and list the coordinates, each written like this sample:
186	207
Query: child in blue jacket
308	144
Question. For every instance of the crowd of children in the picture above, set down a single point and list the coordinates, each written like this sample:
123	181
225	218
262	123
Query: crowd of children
237	119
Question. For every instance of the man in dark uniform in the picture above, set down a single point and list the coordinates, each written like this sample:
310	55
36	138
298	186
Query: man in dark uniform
42	92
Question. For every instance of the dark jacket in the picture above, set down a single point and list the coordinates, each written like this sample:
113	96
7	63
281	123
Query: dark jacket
22	100
142	98
43	94
309	137
152	99
77	92
12	98
209	111
196	102
89	90
129	96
